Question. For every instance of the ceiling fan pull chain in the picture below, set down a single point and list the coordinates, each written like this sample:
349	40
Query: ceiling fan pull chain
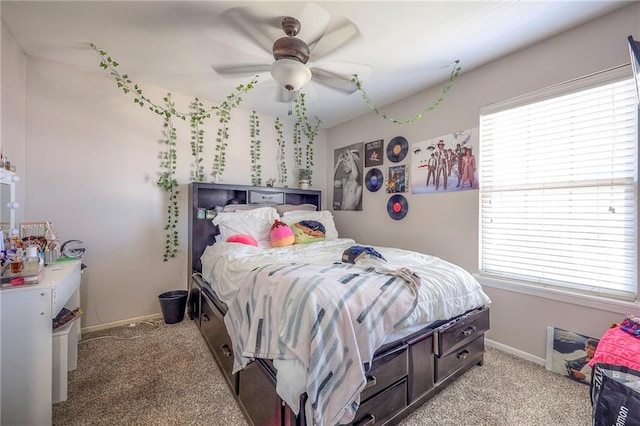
290	103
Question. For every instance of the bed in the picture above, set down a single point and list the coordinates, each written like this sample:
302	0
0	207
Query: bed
304	335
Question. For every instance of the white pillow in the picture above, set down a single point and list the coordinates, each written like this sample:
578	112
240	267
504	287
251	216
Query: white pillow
256	222
244	207
324	217
284	208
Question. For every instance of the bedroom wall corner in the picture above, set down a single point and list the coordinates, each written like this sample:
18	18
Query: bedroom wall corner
446	225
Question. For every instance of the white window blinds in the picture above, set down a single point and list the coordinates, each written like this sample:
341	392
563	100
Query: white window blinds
558	187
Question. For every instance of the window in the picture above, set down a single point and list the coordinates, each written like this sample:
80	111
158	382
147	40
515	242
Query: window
559	187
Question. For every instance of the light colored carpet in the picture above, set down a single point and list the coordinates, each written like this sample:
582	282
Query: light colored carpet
165	375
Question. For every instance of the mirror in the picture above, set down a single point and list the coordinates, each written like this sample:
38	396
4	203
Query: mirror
7	195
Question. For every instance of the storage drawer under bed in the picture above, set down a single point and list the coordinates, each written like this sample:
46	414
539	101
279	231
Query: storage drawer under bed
462	357
386	369
215	334
382	407
459	332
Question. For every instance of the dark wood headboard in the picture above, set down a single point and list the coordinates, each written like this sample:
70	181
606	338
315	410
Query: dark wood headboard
209	195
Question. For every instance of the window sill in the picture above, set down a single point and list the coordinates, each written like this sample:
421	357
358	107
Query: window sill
622	307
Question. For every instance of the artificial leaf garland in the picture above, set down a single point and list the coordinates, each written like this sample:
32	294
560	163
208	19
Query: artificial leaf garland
455	72
168	182
168	164
281	157
198	115
303	127
254	132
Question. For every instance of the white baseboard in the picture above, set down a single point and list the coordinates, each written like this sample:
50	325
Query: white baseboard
120	323
515	352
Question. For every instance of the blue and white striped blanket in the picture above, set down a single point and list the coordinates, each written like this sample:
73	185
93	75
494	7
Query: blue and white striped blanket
331	318
320	321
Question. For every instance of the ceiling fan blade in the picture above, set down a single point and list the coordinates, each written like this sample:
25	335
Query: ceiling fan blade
240	70
339	36
243	30
344	69
335	81
314	21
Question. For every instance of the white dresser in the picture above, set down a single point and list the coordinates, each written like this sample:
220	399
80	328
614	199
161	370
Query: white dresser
27	344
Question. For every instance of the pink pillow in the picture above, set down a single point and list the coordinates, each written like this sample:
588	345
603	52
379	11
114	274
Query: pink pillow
243	239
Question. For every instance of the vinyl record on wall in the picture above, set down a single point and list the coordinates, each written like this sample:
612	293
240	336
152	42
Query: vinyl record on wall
397	149
397	207
373	180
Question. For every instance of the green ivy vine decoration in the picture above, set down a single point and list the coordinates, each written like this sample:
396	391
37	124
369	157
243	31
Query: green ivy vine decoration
281	157
224	116
297	144
197	116
303	127
168	182
254	132
455	72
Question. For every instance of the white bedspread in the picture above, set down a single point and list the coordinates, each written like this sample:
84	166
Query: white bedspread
299	304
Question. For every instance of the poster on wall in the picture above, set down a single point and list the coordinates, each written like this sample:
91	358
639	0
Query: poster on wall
347	177
373	155
446	163
569	353
397	179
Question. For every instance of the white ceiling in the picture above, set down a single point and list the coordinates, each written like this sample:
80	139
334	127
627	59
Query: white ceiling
408	46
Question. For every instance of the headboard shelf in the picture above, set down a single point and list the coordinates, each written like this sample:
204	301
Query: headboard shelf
210	195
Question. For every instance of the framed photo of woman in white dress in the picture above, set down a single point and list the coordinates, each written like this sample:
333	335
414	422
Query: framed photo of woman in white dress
347	177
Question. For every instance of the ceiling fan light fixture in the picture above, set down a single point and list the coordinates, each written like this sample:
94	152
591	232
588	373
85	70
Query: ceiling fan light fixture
290	74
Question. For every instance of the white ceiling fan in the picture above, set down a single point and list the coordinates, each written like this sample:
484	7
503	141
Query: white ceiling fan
292	61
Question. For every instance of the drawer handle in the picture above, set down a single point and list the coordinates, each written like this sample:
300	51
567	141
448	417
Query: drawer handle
367	420
371	382
205	317
468	331
463	354
225	350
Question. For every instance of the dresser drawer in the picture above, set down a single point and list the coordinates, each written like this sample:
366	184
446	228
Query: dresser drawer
457	333
464	356
215	334
385	370
382	407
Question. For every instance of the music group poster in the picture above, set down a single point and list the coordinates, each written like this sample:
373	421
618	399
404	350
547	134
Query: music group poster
445	163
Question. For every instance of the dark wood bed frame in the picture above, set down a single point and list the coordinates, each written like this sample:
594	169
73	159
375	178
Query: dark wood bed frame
404	373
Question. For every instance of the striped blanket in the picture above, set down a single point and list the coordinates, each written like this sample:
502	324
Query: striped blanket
331	318
320	321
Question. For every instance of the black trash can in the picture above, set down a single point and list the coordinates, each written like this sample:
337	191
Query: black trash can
173	304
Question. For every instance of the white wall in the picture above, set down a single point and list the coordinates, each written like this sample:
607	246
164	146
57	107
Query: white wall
13	100
91	165
446	225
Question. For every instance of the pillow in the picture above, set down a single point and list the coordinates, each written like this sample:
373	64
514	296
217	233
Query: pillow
325	217
281	235
242	207
243	239
256	223
308	231
283	208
